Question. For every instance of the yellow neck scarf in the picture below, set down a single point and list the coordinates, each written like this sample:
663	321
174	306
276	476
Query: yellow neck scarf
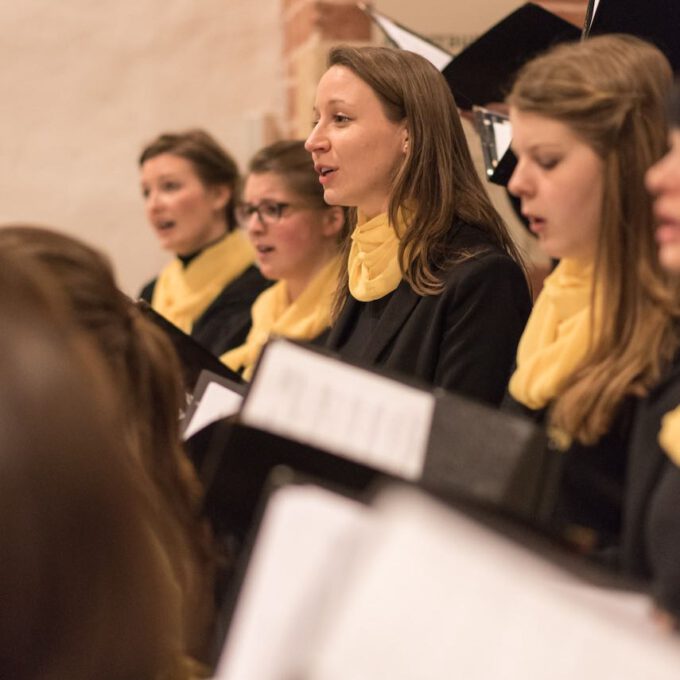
182	294
273	314
557	336
373	264
669	435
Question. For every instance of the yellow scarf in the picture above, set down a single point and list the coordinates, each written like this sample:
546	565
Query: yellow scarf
669	435
373	264
182	293
557	336
273	314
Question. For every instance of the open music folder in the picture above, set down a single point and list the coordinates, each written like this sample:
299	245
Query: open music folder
403	586
350	425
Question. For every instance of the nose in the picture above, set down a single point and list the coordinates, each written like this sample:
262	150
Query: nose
254	225
152	201
316	141
519	184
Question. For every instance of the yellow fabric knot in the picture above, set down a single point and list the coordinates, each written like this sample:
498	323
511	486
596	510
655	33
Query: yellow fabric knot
669	435
557	337
373	264
274	315
182	293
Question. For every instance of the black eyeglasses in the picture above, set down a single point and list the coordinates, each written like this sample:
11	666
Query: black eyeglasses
268	212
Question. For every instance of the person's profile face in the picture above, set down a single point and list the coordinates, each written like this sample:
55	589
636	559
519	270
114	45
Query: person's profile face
560	182
356	149
185	214
663	182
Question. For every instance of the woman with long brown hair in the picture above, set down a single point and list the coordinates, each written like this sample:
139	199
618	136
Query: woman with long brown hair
431	285
588	120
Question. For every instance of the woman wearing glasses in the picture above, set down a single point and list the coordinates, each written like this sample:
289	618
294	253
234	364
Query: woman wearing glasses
296	237
189	186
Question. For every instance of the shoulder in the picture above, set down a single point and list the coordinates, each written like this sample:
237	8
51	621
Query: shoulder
146	293
482	264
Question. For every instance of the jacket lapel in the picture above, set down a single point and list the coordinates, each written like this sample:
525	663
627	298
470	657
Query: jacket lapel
397	312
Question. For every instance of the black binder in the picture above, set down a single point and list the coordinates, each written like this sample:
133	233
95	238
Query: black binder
474	451
193	356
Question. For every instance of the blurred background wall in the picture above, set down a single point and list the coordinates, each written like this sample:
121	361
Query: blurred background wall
86	83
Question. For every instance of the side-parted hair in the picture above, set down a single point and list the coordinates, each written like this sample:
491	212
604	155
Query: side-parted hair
289	160
211	162
437	179
611	92
145	372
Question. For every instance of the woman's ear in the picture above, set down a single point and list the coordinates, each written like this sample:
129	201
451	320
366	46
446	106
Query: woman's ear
333	220
220	195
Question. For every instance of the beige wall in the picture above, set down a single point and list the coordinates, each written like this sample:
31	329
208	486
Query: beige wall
85	83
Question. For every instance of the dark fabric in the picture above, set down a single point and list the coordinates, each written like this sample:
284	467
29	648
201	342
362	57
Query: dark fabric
463	339
651	539
590	493
226	322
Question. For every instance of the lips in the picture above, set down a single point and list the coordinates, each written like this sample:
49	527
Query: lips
325	172
165	225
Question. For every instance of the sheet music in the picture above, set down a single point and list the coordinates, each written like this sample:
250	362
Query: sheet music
348	411
503	135
217	402
438	597
304	542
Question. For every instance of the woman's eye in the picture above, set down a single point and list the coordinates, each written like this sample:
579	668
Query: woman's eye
548	163
341	118
170	186
269	209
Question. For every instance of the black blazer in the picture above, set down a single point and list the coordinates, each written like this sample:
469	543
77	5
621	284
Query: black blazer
651	536
588	507
463	339
226	322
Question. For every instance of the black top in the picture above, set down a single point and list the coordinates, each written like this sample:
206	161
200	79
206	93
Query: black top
463	339
651	536
587	510
226	322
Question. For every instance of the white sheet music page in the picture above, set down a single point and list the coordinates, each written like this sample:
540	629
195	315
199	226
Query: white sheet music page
437	596
302	548
217	402
318	400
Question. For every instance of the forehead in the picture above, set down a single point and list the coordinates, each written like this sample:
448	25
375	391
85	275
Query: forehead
341	85
167	164
265	185
532	129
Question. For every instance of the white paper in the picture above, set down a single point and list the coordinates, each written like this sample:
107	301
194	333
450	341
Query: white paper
302	547
406	40
502	131
217	402
440	597
348	411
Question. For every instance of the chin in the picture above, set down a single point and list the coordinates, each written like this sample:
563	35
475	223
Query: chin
669	256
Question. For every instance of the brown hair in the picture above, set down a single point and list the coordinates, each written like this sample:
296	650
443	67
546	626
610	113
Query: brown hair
145	371
610	91
437	177
77	566
213	165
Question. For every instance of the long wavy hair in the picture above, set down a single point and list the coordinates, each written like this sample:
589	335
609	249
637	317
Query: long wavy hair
611	92
437	178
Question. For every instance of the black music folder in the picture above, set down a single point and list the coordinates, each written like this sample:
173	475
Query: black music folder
193	356
657	21
483	72
351	426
